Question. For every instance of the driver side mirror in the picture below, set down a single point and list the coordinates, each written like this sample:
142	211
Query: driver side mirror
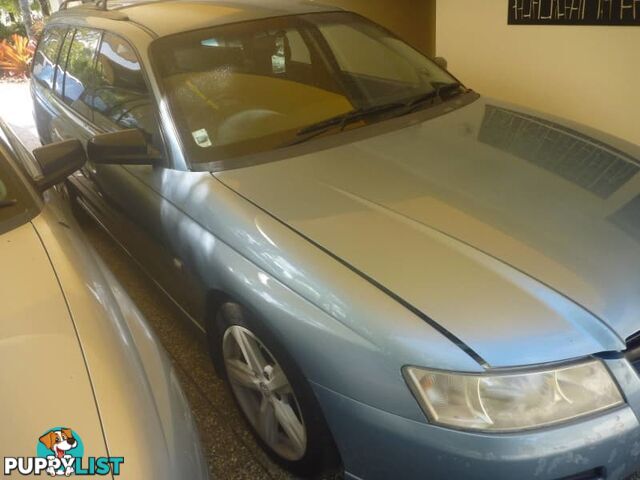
441	62
124	147
57	161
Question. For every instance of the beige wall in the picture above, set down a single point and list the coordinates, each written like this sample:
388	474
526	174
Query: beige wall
411	20
586	74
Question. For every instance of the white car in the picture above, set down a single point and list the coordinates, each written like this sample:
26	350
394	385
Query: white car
85	386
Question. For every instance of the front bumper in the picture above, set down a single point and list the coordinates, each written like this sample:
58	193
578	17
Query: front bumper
375	444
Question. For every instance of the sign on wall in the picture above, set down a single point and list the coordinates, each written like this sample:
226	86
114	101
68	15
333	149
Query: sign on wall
574	12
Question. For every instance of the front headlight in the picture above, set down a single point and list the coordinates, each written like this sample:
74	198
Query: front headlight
513	401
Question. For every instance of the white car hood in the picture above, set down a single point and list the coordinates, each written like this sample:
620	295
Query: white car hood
42	370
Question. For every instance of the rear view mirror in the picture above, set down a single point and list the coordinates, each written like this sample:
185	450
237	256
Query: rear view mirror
441	62
57	161
124	147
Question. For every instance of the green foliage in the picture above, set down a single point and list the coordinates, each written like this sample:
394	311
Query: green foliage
10	6
6	31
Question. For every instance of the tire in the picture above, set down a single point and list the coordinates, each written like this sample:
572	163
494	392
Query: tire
319	454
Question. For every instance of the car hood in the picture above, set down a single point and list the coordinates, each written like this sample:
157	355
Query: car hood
43	375
516	232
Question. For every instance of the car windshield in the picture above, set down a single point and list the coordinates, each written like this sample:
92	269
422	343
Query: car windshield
249	87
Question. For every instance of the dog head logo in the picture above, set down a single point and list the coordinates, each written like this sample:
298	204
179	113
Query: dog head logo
59	441
62	448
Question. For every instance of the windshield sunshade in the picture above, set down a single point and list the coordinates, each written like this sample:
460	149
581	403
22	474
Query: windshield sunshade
250	87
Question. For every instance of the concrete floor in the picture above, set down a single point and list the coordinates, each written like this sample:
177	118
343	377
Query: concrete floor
16	110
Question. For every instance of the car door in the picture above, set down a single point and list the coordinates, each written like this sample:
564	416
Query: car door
120	99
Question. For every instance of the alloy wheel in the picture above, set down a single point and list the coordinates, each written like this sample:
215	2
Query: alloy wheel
264	393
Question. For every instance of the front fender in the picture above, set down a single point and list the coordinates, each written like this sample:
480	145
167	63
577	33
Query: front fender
343	332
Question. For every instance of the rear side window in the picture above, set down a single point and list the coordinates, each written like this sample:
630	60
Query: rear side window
121	98
80	74
58	82
44	61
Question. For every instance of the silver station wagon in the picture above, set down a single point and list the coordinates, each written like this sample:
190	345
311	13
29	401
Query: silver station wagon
398	277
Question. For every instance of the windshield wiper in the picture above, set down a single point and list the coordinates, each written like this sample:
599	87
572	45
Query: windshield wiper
341	121
438	93
8	202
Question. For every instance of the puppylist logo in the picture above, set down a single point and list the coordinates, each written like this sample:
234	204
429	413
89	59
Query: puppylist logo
60	452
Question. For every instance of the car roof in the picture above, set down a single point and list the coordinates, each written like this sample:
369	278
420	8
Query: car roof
166	17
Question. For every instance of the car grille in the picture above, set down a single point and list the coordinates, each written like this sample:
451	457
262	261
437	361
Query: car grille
632	353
